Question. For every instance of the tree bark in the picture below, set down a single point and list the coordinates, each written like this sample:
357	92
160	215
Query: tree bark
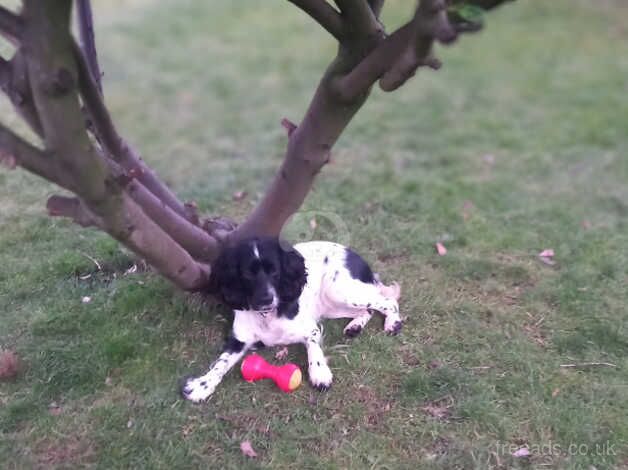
53	77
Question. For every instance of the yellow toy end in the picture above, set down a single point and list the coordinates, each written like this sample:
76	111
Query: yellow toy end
295	380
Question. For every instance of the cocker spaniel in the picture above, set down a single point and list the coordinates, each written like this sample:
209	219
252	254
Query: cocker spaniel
280	294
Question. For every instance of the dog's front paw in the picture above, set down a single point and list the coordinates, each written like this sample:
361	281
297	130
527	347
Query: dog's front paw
196	389
320	377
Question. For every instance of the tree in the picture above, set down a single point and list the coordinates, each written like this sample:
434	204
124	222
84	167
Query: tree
55	86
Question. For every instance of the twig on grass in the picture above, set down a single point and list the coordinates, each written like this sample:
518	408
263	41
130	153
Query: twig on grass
587	364
93	260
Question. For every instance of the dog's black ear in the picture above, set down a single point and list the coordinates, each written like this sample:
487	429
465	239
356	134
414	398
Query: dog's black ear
293	274
225	280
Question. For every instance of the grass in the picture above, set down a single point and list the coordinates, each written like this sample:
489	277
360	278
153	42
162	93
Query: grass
518	144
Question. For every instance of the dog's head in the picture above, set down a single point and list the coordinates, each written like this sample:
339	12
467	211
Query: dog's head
259	274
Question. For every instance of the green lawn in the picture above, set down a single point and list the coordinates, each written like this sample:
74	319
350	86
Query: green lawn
518	144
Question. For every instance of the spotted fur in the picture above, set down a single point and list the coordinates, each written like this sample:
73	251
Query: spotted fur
280	294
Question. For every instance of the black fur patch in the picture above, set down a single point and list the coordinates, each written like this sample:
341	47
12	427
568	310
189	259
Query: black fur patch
233	345
288	310
358	268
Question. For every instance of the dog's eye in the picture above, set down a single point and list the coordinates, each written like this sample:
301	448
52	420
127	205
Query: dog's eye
254	267
270	268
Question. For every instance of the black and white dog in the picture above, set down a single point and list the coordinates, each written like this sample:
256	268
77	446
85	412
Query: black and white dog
279	295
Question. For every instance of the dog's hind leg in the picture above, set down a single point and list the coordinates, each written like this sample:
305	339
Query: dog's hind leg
346	292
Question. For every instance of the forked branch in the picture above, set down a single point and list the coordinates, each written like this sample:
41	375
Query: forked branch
376	6
11	25
115	146
359	15
365	56
324	14
16	151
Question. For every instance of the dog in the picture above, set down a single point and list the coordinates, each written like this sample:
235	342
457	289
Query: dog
280	294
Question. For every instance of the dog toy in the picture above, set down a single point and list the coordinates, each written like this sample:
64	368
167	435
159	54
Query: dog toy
287	377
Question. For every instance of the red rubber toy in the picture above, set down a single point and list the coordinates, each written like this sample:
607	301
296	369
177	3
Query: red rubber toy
287	377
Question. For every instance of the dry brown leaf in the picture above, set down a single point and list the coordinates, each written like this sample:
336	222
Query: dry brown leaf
281	354
54	409
437	411
9	364
440	249
7	160
467	209
547	256
522	452
247	449
240	195
555	392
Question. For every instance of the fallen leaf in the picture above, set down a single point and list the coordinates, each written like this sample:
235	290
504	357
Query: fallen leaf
489	159
436	411
440	249
547	256
87	299
586	224
9	364
54	409
467	209
555	392
522	452
239	195
7	160
247	449
313	224
281	354
129	424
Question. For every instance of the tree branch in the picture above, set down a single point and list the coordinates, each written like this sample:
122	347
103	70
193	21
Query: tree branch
88	39
53	76
429	23
196	241
363	58
17	151
19	92
324	14
5	74
11	25
115	146
72	207
309	148
376	6
360	17
148	241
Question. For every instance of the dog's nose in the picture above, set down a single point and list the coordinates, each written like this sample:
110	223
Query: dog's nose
265	299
